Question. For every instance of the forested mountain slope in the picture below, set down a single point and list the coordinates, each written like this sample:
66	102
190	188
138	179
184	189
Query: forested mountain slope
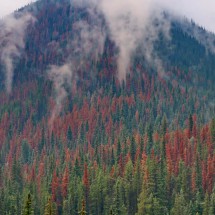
141	146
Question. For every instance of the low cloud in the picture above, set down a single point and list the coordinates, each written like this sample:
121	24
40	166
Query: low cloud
61	76
12	42
85	46
133	24
207	39
126	20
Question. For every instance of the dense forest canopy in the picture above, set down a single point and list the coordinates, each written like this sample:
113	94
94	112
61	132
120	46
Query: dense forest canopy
75	139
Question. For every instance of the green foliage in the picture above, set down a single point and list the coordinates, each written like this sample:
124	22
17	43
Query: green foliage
213	131
28	210
133	150
181	206
83	209
69	134
50	208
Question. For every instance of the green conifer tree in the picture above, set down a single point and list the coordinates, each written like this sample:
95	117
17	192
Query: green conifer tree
28	206
181	206
206	205
50	208
83	209
133	150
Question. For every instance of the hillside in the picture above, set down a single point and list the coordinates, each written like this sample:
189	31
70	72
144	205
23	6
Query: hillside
85	140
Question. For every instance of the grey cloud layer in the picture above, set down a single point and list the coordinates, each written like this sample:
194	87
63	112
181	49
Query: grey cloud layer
12	35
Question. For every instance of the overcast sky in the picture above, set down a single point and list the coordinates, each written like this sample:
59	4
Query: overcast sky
8	6
201	11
